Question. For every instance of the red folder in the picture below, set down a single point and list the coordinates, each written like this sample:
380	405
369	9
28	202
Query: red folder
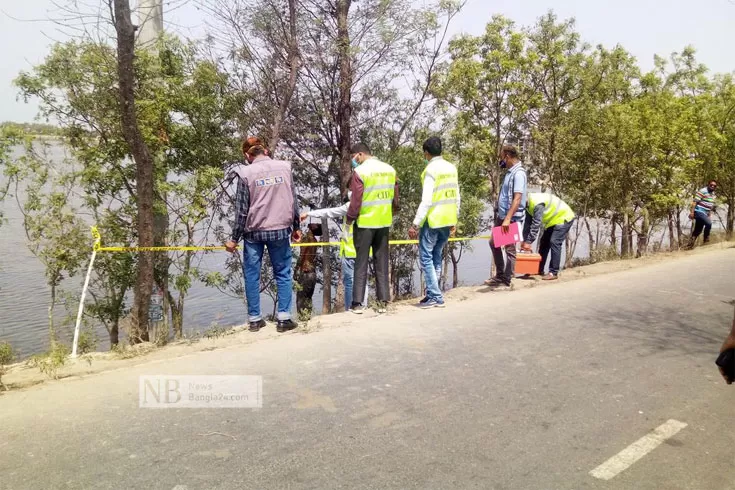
501	239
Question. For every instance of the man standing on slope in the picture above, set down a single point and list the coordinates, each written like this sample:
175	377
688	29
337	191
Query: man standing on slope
510	208
436	218
556	217
701	213
266	215
372	203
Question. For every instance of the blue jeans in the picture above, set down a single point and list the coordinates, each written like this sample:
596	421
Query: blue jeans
280	255
551	241
431	245
348	279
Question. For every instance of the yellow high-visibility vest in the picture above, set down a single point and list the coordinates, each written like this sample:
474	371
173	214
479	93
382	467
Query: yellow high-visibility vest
443	210
379	180
347	245
556	211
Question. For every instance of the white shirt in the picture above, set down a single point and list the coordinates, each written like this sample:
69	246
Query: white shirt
339	212
427	197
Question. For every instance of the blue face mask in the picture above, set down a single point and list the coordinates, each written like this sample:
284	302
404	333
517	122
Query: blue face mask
354	163
502	164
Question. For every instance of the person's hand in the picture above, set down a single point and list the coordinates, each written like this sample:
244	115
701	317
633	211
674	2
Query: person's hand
728	344
691	215
506	224
230	246
452	231
526	247
296	236
413	233
303	217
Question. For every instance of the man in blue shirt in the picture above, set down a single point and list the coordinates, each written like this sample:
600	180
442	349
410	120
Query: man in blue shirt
510	208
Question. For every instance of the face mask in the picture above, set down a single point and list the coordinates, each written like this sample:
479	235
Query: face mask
355	164
502	164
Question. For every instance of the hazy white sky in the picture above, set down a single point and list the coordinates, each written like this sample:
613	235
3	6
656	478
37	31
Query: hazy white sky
643	27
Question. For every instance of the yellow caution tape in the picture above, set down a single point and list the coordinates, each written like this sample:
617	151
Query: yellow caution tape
99	248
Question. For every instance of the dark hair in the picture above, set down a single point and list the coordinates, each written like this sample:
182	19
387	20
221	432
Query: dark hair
253	146
510	150
713	180
433	146
360	148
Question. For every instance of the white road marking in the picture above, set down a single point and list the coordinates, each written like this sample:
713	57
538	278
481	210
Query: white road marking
625	458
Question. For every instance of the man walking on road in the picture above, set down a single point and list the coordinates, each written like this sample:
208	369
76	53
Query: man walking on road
266	215
372	203
510	208
436	218
556	217
701	212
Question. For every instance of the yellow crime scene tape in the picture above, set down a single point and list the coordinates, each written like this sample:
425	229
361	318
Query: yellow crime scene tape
99	248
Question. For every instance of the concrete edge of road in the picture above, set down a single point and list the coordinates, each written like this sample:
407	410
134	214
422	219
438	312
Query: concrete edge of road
20	376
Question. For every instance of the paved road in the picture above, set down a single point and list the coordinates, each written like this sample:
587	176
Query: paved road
531	389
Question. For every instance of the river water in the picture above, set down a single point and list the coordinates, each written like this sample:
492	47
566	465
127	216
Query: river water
24	295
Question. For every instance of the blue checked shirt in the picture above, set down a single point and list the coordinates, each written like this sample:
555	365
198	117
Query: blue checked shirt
242	207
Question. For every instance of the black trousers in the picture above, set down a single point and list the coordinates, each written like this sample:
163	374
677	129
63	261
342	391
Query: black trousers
377	239
552	241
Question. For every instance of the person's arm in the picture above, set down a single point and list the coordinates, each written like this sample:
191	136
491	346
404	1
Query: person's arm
538	213
296	210
396	198
242	207
519	182
332	213
697	198
426	199
358	188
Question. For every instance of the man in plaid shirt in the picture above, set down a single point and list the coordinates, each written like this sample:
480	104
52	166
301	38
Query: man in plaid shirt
266	216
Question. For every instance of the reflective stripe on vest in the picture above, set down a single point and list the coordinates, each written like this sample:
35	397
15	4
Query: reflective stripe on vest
379	180
556	211
443	210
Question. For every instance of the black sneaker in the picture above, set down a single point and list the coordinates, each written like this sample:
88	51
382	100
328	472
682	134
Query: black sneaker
421	303
357	309
286	325
256	326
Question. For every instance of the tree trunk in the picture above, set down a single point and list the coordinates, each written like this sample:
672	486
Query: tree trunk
590	236
143	167
625	240
643	235
673	241
679	231
613	233
730	217
455	269
51	327
327	265
445	269
115	333
344	108
339	299
294	65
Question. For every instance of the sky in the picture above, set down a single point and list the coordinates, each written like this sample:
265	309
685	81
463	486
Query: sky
643	27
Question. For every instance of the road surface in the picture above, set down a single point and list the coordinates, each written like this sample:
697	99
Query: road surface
600	383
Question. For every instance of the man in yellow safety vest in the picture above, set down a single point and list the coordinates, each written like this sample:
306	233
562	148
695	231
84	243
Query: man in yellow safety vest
436	218
556	217
373	200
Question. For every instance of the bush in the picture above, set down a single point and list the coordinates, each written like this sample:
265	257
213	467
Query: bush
7	356
50	362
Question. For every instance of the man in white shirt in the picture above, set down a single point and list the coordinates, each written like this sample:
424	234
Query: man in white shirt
436	218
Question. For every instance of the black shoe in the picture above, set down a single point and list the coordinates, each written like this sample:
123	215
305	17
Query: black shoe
286	325
256	326
425	300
